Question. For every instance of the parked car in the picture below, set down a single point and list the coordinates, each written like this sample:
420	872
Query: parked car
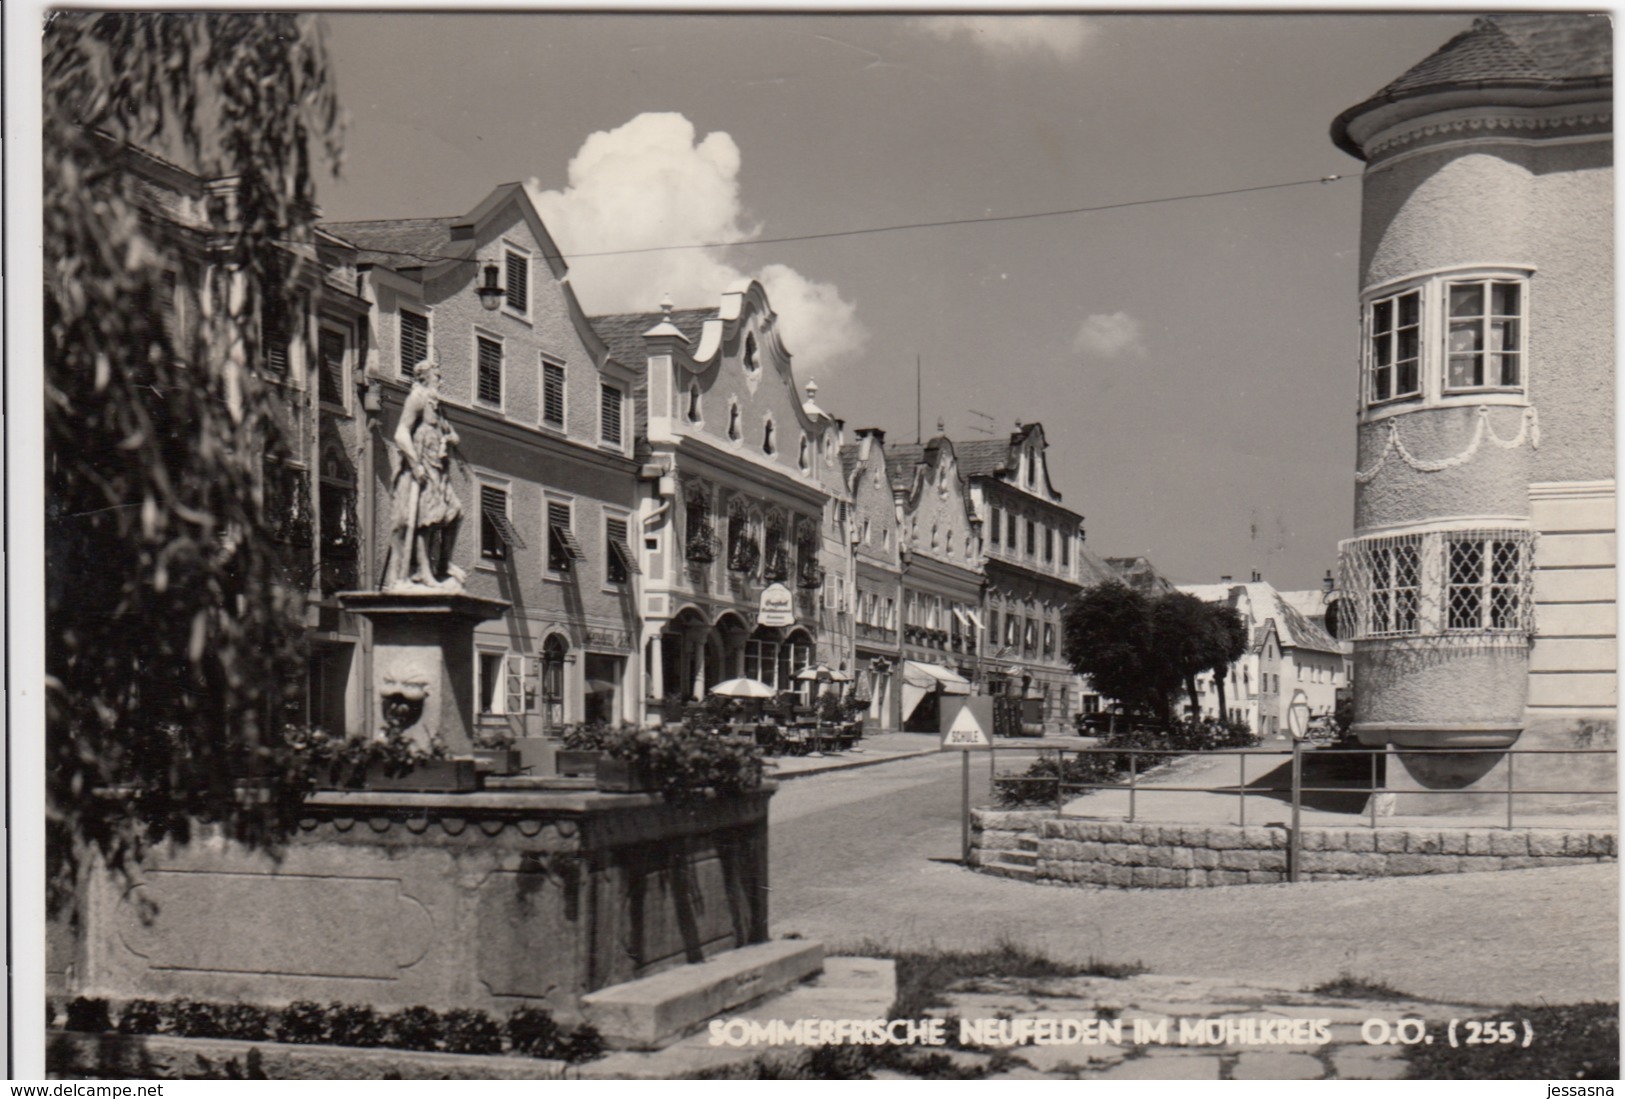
1095	724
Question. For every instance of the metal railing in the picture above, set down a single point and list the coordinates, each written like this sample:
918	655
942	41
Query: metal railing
1295	789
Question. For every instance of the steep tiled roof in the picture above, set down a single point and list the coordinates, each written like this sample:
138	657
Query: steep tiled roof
1548	50
982	457
849	459
623	332
1093	571
1139	574
1551	51
1295	628
901	458
397	243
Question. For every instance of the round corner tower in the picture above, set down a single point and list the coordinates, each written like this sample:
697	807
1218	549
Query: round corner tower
1479	583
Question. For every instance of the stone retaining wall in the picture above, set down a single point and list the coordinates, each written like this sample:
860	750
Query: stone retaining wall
1070	850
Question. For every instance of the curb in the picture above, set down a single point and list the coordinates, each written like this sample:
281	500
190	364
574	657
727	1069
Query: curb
847	765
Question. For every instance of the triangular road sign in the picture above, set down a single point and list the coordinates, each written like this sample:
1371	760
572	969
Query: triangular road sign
969	728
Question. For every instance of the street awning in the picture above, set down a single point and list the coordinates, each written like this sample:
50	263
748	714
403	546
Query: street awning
921	679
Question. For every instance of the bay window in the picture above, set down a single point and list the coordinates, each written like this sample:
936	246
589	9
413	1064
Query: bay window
1451	581
1458	334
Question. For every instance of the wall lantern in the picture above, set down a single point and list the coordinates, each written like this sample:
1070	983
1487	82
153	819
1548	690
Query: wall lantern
490	293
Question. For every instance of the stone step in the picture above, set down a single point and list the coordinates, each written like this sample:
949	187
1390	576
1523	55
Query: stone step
1019	858
1009	869
1026	842
652	1011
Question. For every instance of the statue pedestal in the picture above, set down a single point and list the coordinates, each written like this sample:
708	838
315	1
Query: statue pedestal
423	661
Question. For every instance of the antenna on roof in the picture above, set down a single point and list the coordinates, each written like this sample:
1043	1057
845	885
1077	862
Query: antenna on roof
918	434
982	429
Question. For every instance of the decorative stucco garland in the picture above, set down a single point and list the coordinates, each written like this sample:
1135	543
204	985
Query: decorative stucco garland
1466	125
1528	427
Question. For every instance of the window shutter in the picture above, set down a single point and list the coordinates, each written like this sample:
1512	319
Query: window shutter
275	332
553	394
619	548
518	287
330	355
490	367
414	340
563	547
611	417
514	685
497	531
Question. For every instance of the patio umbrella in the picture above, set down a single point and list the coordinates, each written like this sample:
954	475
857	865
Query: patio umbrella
743	688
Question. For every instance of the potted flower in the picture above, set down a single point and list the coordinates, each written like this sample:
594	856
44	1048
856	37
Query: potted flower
683	764
583	747
389	762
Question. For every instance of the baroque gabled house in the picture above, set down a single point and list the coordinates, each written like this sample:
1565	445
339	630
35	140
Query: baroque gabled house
877	577
1478	589
741	523
940	553
1033	560
544	468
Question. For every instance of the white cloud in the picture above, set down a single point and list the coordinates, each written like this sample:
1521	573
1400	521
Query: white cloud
653	182
1109	336
1015	35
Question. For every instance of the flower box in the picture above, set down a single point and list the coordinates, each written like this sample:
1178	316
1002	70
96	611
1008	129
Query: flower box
578	762
498	761
440	776
621	776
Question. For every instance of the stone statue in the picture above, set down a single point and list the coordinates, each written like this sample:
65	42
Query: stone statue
425	512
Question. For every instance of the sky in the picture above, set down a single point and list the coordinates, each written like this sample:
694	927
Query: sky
1194	362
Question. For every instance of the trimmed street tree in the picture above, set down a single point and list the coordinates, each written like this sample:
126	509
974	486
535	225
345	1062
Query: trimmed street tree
1144	652
171	638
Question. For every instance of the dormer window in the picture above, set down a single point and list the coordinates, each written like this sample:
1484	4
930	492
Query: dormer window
751	363
804	456
733	421
769	445
694	403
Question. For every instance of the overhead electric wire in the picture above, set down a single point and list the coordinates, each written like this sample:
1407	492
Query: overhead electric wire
871	230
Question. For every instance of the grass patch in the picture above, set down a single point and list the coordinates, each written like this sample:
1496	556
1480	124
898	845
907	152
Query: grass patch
1572	1042
923	977
1347	986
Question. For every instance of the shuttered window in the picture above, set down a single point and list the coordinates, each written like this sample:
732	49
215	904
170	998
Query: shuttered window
330	364
275	333
518	282
553	395
497	533
619	563
414	340
610	418
562	548
490	370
